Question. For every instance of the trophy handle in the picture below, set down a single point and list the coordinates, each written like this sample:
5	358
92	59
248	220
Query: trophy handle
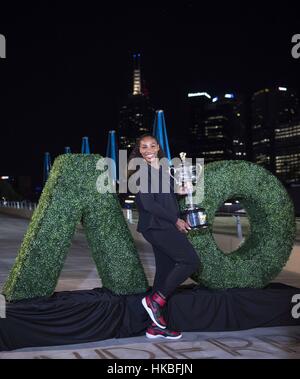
174	169
199	171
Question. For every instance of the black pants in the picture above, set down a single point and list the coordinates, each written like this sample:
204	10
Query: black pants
175	257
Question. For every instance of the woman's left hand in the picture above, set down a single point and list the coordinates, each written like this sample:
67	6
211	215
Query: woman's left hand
182	226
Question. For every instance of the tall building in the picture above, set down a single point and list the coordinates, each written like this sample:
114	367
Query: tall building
276	132
137	114
217	128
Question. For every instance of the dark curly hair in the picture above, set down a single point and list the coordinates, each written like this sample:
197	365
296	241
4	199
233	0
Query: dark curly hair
135	153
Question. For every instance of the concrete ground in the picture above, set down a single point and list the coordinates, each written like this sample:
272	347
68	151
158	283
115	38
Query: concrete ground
80	273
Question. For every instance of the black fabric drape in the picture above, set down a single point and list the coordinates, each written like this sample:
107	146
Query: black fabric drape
203	309
92	315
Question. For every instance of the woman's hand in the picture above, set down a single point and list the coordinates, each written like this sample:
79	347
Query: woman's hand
182	226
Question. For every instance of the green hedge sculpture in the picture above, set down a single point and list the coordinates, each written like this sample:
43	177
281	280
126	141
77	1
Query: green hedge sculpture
70	195
272	226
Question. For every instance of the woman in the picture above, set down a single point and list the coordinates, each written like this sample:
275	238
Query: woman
161	225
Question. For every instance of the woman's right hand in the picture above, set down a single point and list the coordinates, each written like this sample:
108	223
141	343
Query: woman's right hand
182	226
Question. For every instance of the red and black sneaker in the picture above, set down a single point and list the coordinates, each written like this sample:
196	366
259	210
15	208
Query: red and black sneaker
155	332
153	305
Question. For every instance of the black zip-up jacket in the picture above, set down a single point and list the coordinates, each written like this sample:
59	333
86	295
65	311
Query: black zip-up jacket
157	210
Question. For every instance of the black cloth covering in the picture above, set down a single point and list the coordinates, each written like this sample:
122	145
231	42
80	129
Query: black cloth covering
72	317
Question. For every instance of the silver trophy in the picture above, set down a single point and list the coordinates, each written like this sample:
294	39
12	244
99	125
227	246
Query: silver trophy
187	175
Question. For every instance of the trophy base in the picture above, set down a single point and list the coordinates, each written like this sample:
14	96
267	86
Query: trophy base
199	227
196	217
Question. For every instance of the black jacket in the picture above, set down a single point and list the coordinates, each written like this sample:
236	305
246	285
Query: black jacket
157	210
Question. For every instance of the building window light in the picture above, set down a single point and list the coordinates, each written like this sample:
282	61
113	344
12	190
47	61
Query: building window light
196	94
282	88
229	95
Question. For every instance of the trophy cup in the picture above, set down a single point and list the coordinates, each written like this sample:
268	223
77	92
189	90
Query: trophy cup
186	175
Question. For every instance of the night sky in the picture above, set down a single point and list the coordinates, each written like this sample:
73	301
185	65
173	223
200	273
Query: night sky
68	68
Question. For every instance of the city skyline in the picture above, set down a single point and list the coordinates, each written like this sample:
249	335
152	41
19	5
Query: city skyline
70	79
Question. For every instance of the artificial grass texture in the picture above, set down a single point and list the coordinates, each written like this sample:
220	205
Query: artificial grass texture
272	226
70	195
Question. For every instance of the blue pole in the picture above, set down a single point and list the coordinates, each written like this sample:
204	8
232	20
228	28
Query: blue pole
167	148
85	147
160	132
111	152
47	167
114	152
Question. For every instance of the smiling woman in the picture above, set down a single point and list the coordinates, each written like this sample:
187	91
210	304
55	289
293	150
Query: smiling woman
146	146
161	225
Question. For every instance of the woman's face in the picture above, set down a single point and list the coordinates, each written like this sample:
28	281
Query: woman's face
149	149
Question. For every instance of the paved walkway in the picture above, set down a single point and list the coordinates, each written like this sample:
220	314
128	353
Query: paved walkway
80	273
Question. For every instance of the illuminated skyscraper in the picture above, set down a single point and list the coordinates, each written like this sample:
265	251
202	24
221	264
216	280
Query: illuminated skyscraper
137	114
276	132
217	128
137	80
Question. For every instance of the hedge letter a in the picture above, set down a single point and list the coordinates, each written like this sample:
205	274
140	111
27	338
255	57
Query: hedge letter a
70	196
